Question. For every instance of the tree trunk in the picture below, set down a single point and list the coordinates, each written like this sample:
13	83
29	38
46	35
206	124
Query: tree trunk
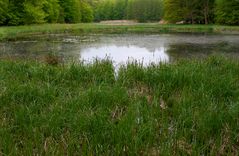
192	18
206	12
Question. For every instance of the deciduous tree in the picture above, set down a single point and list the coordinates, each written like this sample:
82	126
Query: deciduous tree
227	12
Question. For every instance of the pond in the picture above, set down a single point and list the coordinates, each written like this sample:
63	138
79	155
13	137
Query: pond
121	48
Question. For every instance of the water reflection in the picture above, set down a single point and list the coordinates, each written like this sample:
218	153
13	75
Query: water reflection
124	54
121	48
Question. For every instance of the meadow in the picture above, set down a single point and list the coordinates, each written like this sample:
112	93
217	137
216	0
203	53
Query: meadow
190	107
16	32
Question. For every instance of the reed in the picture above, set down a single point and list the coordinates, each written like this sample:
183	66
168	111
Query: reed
186	108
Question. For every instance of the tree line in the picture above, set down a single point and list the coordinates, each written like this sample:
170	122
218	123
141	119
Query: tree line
20	12
202	11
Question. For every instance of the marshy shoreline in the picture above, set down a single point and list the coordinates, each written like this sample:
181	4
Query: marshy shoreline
15	32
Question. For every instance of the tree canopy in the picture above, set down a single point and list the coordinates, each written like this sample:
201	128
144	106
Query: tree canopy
193	11
20	12
227	12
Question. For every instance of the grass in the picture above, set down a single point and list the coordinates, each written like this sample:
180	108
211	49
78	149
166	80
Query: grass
26	31
186	108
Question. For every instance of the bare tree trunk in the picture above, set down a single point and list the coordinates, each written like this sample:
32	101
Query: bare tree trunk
192	18
206	11
205	17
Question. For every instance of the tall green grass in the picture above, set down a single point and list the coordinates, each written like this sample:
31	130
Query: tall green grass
7	33
186	108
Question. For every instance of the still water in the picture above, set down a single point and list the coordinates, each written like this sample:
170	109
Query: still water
124	47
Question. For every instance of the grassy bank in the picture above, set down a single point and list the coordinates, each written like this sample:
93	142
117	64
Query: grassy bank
23	31
188	108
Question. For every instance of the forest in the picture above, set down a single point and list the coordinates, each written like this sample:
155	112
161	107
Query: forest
25	12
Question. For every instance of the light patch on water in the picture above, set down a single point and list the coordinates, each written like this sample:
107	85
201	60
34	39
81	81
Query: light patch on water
123	48
124	54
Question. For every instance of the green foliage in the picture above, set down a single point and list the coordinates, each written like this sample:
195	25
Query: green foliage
3	11
19	12
174	11
145	10
141	10
227	12
191	11
33	12
120	9
15	12
70	11
52	9
105	10
86	12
